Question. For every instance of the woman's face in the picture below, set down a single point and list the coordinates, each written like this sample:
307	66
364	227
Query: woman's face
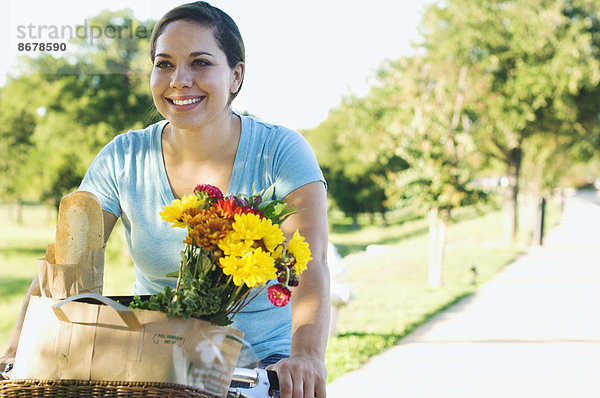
191	81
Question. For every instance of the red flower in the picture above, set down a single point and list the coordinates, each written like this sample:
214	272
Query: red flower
279	295
228	208
212	192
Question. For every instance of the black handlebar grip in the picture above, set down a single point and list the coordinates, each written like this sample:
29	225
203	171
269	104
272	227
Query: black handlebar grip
273	380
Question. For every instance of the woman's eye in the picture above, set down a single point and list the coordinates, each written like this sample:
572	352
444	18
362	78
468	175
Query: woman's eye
200	62
162	64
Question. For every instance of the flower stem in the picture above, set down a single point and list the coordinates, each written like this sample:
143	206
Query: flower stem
180	270
243	305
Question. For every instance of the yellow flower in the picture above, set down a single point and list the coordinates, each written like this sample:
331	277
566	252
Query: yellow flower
190	202
259	267
278	252
255	268
232	265
173	213
255	228
232	245
300	250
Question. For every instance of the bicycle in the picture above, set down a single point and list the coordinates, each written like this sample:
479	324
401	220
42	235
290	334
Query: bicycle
261	383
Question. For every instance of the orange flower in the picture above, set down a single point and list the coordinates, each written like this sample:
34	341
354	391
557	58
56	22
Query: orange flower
205	227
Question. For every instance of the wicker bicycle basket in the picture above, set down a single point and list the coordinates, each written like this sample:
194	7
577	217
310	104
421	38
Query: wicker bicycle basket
96	389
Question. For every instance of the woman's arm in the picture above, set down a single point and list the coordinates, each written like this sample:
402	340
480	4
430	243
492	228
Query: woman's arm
34	290
109	223
304	373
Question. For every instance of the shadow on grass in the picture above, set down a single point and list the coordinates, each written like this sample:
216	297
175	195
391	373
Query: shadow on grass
14	286
346	249
394	338
346	226
23	251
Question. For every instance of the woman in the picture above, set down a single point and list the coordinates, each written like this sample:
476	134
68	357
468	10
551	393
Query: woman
198	69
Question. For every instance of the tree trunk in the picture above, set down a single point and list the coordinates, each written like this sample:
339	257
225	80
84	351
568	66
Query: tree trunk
437	243
355	221
511	194
19	212
384	219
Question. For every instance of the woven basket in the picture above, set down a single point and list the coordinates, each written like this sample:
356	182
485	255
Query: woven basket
96	389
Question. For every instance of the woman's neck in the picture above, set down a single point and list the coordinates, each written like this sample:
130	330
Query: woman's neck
203	145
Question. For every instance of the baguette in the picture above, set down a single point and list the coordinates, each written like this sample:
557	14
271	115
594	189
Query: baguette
80	227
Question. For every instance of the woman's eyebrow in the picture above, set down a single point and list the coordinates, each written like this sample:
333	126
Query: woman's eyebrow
197	53
194	54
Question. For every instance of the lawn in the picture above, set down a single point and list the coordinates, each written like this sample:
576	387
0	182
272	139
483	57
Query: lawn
21	245
385	267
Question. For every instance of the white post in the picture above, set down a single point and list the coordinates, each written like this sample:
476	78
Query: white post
340	292
437	238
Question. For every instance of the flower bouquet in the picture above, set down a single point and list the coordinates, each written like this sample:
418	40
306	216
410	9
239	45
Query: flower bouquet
234	248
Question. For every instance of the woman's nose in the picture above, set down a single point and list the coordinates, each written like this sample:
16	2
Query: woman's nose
182	77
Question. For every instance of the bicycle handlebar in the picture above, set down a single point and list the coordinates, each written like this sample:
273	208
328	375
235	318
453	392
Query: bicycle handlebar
261	382
273	379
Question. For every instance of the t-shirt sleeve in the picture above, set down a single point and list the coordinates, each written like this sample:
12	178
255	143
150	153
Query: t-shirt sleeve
295	164
101	178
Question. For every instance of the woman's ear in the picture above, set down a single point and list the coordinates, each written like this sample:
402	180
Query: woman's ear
237	77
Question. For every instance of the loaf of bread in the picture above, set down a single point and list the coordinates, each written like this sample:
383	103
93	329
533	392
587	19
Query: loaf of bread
80	227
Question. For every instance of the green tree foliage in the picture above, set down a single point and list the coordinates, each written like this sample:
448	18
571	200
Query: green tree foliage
16	144
539	60
350	147
428	128
70	106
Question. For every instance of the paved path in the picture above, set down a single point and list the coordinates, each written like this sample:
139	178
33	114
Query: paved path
533	331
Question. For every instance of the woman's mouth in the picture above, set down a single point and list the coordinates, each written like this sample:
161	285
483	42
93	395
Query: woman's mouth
184	104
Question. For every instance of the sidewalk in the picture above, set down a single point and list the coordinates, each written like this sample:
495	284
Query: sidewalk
533	331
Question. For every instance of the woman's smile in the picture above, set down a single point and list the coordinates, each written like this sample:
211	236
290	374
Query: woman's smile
184	103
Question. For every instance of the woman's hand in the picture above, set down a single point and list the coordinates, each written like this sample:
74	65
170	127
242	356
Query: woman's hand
301	376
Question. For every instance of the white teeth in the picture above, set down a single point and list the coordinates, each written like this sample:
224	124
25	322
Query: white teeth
186	102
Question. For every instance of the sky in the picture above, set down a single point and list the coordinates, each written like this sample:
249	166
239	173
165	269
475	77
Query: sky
302	57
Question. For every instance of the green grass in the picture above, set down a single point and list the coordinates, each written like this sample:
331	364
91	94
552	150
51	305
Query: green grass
390	286
21	245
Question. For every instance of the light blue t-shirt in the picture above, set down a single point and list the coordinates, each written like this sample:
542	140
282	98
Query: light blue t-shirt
129	178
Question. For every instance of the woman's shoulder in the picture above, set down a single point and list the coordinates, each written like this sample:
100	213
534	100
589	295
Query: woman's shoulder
145	134
269	131
136	139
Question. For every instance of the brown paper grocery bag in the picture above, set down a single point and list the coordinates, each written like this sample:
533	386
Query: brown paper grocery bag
65	280
78	340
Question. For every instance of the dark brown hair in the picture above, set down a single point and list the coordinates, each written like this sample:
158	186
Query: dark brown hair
226	32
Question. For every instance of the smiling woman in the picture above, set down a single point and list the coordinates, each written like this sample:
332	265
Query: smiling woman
198	69
196	72
192	83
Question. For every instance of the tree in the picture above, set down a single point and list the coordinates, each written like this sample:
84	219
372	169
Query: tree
539	58
351	152
75	104
16	130
428	127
